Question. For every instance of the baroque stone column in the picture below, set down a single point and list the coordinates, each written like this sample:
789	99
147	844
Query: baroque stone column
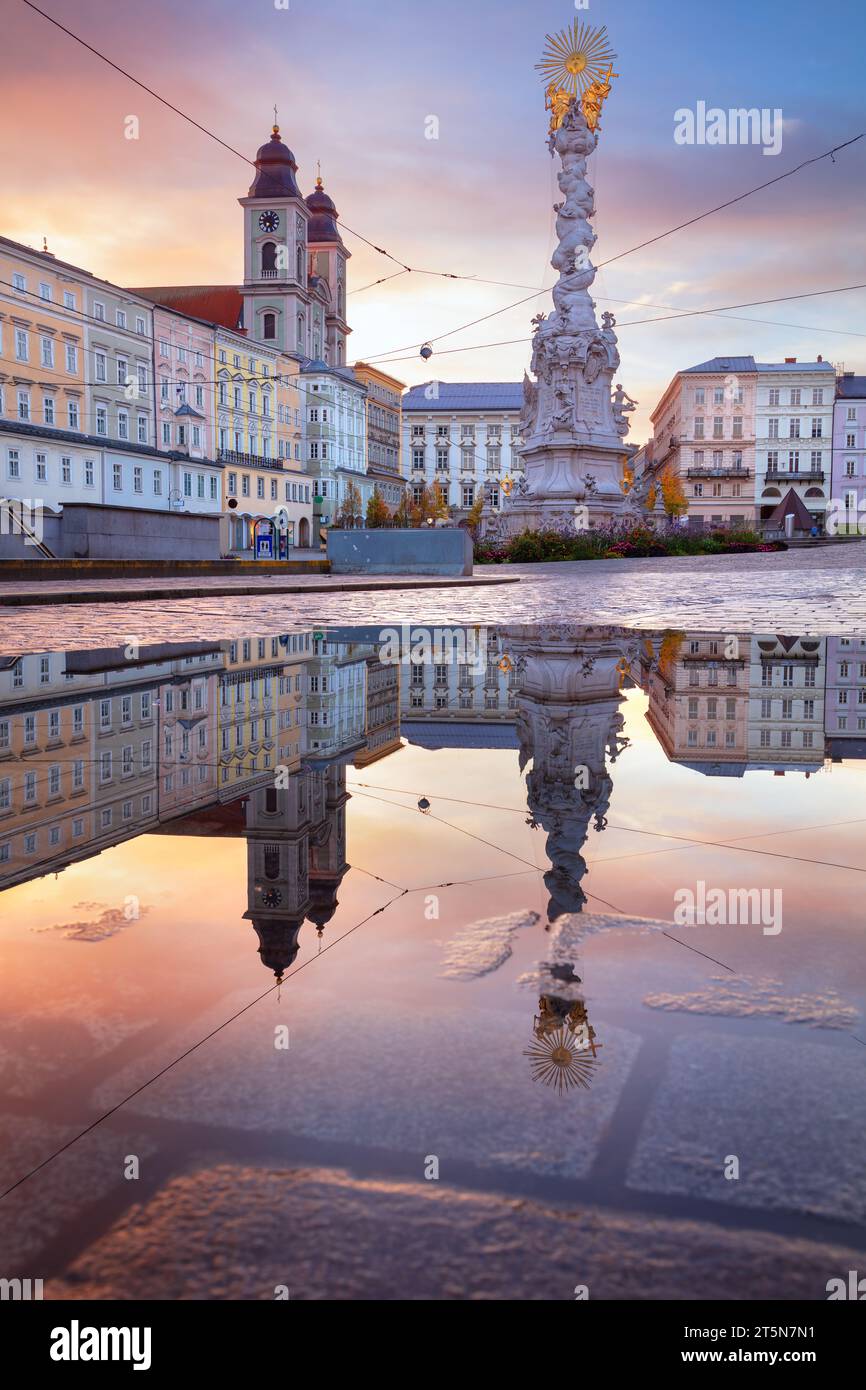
572	425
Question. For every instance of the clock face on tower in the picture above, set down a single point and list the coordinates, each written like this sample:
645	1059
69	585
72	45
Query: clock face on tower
272	897
269	221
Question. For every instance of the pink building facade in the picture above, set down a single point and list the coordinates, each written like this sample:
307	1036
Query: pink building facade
849	453
184	357
704	431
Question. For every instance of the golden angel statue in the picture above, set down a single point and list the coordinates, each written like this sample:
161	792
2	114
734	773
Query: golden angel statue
557	101
594	97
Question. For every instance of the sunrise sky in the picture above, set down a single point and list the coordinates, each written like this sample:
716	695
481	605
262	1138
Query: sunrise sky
354	82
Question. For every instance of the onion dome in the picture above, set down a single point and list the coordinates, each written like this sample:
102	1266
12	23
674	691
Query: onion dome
323	219
275	170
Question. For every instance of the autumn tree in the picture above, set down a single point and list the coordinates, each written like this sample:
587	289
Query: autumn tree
403	514
378	513
350	507
673	497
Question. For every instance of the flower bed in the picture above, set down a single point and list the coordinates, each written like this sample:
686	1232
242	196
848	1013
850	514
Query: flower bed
619	542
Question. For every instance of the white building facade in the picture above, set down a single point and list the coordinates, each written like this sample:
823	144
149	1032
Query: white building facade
794	435
336	439
463	437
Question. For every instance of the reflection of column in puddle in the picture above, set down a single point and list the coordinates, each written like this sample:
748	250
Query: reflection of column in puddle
571	684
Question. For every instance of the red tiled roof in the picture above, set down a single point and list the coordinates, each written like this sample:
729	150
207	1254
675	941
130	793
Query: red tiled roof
222	304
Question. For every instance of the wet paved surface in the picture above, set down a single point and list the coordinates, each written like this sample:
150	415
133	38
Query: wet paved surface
819	591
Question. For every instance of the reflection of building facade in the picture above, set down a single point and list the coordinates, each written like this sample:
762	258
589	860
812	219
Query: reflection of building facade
336	698
382	731
260	708
480	690
845	695
725	703
786	703
698	690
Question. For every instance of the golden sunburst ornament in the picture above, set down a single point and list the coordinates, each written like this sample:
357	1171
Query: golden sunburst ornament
560	1060
576	57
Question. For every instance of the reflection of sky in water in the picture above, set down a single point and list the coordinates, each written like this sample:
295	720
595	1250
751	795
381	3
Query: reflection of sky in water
408	1036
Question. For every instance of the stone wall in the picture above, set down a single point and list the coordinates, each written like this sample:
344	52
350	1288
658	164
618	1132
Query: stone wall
437	550
132	533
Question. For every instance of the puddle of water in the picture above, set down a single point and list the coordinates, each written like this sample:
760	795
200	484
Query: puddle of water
567	914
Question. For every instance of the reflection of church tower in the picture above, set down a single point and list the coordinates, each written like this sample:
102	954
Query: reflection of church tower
568	722
328	844
277	832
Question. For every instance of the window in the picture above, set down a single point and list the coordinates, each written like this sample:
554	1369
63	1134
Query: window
66	470
269	326
120	318
774	395
48	409
102	419
71	358
19	282
117	473
140	326
99	311
138	479
100	362
47	346
22	345
142	429
13	463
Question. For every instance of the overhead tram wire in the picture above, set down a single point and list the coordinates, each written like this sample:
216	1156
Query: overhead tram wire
195	1046
827	154
441	274
680	314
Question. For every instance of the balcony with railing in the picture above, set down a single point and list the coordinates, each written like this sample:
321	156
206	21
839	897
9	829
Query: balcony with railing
242	460
789	475
711	470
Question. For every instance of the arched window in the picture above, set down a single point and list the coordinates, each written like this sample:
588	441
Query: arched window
340	298
272	862
269	325
271	806
269	258
301	275
300	332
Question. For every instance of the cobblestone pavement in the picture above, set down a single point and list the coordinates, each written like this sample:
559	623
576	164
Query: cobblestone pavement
816	591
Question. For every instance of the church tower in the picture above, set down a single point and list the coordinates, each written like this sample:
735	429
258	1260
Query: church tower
278	853
328	863
328	257
276	218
